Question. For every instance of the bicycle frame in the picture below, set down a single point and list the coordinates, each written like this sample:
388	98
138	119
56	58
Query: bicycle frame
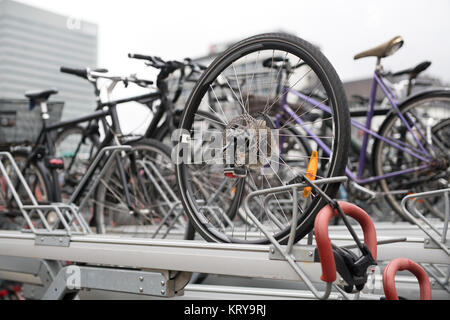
45	139
419	153
103	110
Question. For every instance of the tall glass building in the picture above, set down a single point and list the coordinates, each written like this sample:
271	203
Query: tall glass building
34	44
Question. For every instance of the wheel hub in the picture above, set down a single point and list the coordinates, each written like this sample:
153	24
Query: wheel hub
247	145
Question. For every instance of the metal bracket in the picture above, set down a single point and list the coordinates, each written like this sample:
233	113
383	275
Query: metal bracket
299	253
58	241
431	244
33	292
45	270
73	278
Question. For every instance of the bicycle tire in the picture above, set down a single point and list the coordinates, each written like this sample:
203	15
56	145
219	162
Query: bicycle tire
333	87
387	125
71	138
115	217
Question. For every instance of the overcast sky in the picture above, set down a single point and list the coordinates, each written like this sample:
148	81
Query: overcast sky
175	29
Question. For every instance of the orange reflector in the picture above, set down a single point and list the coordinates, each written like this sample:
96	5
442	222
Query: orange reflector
311	171
38	194
413	198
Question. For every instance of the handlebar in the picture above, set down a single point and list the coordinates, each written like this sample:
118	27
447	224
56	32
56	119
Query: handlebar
167	68
82	73
139	56
94	74
140	82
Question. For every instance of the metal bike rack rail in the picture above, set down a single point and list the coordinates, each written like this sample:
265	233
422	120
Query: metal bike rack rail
68	214
144	254
437	238
20	253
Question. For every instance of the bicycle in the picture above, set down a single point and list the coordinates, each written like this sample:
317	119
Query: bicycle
232	80
401	83
77	144
42	169
407	149
84	140
163	123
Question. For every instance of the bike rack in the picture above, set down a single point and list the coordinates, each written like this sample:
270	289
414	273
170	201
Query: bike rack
68	215
400	264
437	238
287	253
160	267
324	245
19	253
70	221
170	200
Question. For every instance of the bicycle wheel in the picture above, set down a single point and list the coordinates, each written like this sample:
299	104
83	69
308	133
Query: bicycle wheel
155	208
435	205
427	116
248	88
76	148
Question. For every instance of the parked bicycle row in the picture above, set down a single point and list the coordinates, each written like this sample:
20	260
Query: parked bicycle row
269	112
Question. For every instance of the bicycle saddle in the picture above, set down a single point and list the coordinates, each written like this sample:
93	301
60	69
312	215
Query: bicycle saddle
383	50
40	96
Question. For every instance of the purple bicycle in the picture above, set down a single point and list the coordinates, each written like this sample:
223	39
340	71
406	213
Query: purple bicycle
410	150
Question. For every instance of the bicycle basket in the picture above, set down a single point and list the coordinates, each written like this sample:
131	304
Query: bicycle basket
20	125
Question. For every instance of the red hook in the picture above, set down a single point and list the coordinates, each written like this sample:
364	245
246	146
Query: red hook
400	264
323	240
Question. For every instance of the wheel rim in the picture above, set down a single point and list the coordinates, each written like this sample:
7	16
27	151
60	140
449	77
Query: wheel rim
206	90
433	109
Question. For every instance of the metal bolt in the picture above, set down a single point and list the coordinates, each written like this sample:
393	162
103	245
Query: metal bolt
427	241
163	291
310	253
272	250
163	282
141	278
141	289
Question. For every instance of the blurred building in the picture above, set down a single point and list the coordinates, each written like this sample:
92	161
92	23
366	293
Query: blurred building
34	44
